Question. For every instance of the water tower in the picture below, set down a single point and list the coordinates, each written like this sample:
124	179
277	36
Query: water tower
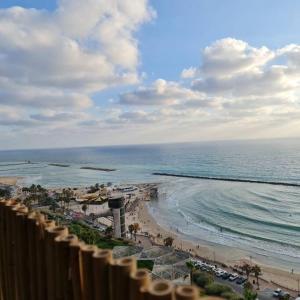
116	204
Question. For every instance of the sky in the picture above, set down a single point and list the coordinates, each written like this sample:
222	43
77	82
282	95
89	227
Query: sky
112	72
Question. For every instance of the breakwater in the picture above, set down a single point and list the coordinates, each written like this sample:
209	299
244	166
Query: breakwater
59	165
227	179
98	169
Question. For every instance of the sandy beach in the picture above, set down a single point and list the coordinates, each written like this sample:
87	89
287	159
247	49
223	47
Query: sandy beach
9	180
270	278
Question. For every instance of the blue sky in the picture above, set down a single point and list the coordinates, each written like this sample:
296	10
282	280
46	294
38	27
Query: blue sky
154	99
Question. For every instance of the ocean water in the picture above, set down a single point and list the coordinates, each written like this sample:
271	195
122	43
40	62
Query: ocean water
261	219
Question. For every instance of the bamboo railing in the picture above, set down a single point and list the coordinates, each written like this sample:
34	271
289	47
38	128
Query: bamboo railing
42	261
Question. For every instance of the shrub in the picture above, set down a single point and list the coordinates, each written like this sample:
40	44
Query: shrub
202	279
231	296
217	289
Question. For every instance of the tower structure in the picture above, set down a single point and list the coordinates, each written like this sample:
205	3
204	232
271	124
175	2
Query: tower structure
116	204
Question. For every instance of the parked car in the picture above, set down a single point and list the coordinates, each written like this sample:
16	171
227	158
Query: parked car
284	295
220	272
226	275
241	280
277	292
233	277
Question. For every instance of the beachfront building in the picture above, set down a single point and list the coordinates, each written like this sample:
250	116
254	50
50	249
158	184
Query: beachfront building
116	204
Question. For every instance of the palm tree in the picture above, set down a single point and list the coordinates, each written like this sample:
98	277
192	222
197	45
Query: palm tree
67	195
168	241
108	231
257	272
131	229
136	227
192	269
247	268
84	208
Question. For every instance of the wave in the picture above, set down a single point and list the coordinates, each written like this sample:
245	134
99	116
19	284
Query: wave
30	180
265	222
228	233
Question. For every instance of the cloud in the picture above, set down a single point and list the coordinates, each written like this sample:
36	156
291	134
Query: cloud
228	57
60	58
161	92
189	73
235	81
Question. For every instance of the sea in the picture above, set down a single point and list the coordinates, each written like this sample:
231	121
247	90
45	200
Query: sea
262	220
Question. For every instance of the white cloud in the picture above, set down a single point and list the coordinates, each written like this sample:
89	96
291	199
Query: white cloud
51	63
235	82
161	92
48	58
189	73
228	57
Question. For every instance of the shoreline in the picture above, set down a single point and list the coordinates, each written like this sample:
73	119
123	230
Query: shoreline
230	256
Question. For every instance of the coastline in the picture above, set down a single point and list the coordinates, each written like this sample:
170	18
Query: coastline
270	278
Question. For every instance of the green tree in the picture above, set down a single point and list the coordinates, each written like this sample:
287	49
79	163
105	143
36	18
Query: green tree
108	231
5	193
168	241
217	289
249	294
131	229
202	279
53	205
191	266
247	269
84	208
136	227
257	272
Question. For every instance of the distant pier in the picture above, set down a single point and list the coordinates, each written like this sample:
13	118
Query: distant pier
227	179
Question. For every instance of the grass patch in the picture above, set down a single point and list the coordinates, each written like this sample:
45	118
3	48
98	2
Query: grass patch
93	237
145	264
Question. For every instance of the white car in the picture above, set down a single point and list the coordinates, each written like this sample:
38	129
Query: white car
277	292
219	273
233	277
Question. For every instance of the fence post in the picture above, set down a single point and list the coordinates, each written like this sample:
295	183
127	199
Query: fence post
31	227
87	252
51	263
41	256
186	293
8	217
101	261
3	261
139	280
22	254
160	290
125	266
15	237
76	269
64	288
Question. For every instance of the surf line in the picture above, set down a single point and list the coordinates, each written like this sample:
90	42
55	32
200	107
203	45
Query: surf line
227	179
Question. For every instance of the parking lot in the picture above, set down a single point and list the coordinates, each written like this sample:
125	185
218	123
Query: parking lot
236	281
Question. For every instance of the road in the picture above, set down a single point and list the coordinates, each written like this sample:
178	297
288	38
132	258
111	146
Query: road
266	294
